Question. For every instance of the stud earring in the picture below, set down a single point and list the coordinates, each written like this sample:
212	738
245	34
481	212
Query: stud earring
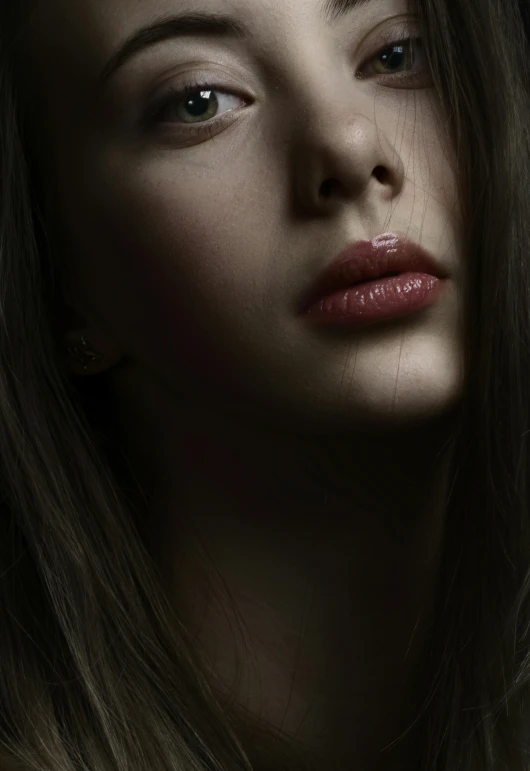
84	355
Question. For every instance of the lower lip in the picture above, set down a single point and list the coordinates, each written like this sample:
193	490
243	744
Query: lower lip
385	298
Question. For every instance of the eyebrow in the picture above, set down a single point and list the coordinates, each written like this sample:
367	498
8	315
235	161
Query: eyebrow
203	24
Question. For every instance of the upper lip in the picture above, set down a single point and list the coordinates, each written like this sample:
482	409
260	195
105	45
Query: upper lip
367	260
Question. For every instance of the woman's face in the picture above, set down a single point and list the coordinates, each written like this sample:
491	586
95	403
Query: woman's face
193	224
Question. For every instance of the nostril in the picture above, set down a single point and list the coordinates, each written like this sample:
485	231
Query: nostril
327	188
381	174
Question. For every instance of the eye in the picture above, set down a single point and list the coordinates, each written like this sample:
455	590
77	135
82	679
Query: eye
193	103
397	57
400	60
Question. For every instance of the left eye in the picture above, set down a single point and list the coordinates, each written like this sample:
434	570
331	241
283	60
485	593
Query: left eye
400	59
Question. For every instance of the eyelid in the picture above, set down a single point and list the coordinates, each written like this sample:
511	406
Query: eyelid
177	88
398	79
391	34
174	93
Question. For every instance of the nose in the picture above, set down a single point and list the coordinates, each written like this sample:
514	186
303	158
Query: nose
341	153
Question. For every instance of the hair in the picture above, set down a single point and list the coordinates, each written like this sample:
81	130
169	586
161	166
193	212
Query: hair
96	671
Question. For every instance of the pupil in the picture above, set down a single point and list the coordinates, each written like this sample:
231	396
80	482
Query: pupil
396	53
200	102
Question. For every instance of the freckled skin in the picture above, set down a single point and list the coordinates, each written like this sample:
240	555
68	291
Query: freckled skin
302	456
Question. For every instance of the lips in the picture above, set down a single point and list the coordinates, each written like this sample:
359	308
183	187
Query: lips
385	255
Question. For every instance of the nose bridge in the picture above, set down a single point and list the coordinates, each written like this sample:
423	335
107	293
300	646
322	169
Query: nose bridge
322	81
314	71
328	108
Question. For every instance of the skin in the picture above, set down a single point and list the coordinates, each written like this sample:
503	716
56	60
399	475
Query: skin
298	473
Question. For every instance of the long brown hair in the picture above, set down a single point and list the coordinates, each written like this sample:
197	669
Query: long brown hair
96	672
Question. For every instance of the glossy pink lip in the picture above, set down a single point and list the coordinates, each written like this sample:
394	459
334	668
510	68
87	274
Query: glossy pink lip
367	260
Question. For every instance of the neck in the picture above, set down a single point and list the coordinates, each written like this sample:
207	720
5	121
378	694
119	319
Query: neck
305	569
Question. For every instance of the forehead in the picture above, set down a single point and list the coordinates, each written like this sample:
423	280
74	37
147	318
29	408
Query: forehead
84	34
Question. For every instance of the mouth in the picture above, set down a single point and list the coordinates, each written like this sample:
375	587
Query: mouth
364	262
377	278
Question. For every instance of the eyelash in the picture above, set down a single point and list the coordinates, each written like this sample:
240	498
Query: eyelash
177	93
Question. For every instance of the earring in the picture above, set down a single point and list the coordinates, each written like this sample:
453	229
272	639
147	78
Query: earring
85	356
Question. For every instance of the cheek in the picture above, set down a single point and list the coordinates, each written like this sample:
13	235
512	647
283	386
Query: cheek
417	131
434	159
170	269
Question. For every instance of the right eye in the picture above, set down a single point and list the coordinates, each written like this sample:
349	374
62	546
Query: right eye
197	101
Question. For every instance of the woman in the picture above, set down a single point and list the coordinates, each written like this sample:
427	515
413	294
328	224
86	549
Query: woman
243	526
